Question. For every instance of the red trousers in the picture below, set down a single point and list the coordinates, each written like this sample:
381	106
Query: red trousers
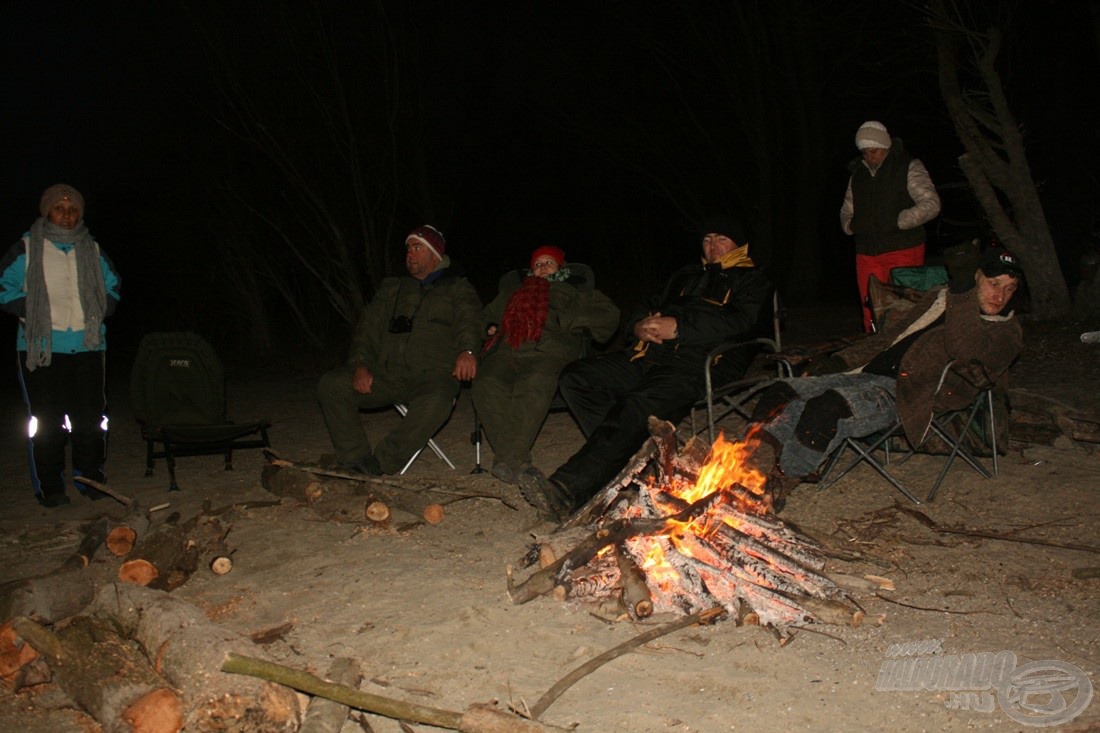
880	266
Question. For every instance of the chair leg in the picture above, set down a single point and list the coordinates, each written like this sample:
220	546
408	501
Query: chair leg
149	457
957	448
171	461
865	453
431	444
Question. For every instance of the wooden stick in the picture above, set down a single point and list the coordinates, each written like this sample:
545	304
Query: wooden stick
379	704
595	663
986	534
125	500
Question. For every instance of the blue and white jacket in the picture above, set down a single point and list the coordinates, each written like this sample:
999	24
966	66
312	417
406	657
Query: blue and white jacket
59	263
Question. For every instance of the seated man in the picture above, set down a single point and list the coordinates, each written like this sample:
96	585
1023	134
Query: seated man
414	344
612	395
897	371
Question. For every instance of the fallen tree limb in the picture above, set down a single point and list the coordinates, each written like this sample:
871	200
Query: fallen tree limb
106	676
476	719
595	663
188	650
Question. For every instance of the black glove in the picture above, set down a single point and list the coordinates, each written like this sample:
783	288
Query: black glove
961	285
827	364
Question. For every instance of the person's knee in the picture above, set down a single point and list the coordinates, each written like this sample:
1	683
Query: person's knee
818	425
772	401
334	385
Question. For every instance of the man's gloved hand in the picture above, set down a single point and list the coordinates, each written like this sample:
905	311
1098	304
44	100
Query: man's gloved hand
825	364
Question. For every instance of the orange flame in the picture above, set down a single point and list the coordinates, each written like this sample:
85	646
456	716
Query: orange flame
725	466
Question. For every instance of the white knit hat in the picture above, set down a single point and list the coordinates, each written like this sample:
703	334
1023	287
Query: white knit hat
872	134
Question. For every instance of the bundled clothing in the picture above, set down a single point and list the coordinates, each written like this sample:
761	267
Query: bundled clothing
885	208
895	373
542	324
613	395
61	286
409	337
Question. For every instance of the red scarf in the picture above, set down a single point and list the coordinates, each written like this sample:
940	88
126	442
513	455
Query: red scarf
525	313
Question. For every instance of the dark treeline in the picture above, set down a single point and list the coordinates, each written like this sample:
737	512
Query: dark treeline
253	168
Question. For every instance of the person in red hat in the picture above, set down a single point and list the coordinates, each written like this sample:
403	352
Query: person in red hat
537	324
414	345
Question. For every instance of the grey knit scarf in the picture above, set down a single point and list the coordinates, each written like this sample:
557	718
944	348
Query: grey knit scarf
38	323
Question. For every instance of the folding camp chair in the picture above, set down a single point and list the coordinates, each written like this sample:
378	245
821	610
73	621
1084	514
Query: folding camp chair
177	387
722	400
403	410
865	447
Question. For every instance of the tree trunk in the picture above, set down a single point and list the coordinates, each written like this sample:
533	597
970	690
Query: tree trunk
188	650
106	676
995	162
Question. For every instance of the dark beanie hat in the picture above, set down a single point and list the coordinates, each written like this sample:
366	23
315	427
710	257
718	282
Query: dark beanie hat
999	261
430	237
554	252
726	226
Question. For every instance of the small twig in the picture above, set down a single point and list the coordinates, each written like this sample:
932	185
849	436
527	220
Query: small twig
595	663
986	534
924	608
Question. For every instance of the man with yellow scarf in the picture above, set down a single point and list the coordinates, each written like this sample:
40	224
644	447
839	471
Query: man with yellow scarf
612	395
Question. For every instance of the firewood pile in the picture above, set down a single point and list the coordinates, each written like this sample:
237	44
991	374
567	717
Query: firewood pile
682	531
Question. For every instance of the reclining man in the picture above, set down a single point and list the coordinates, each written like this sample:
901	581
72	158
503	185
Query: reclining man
864	388
612	395
414	344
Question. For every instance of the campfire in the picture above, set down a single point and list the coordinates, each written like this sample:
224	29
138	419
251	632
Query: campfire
680	532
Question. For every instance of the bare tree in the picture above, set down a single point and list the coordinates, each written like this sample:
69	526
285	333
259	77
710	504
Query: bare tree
331	161
995	162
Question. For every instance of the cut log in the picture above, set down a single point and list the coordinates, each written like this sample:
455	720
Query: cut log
124	532
20	663
107	676
189	651
292	484
155	556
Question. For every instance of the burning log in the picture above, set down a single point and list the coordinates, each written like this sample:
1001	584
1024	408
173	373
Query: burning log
698	533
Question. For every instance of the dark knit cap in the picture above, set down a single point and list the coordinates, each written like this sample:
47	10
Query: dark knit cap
430	237
999	261
726	226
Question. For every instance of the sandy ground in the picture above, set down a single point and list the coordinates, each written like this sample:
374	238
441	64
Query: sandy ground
425	611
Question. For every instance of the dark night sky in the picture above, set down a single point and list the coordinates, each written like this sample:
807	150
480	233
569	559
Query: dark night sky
113	97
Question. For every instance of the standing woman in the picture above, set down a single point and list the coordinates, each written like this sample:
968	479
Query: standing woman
61	286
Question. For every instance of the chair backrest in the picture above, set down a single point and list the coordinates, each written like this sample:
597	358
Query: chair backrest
177	379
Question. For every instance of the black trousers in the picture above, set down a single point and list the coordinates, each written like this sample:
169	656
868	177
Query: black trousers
65	404
612	397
